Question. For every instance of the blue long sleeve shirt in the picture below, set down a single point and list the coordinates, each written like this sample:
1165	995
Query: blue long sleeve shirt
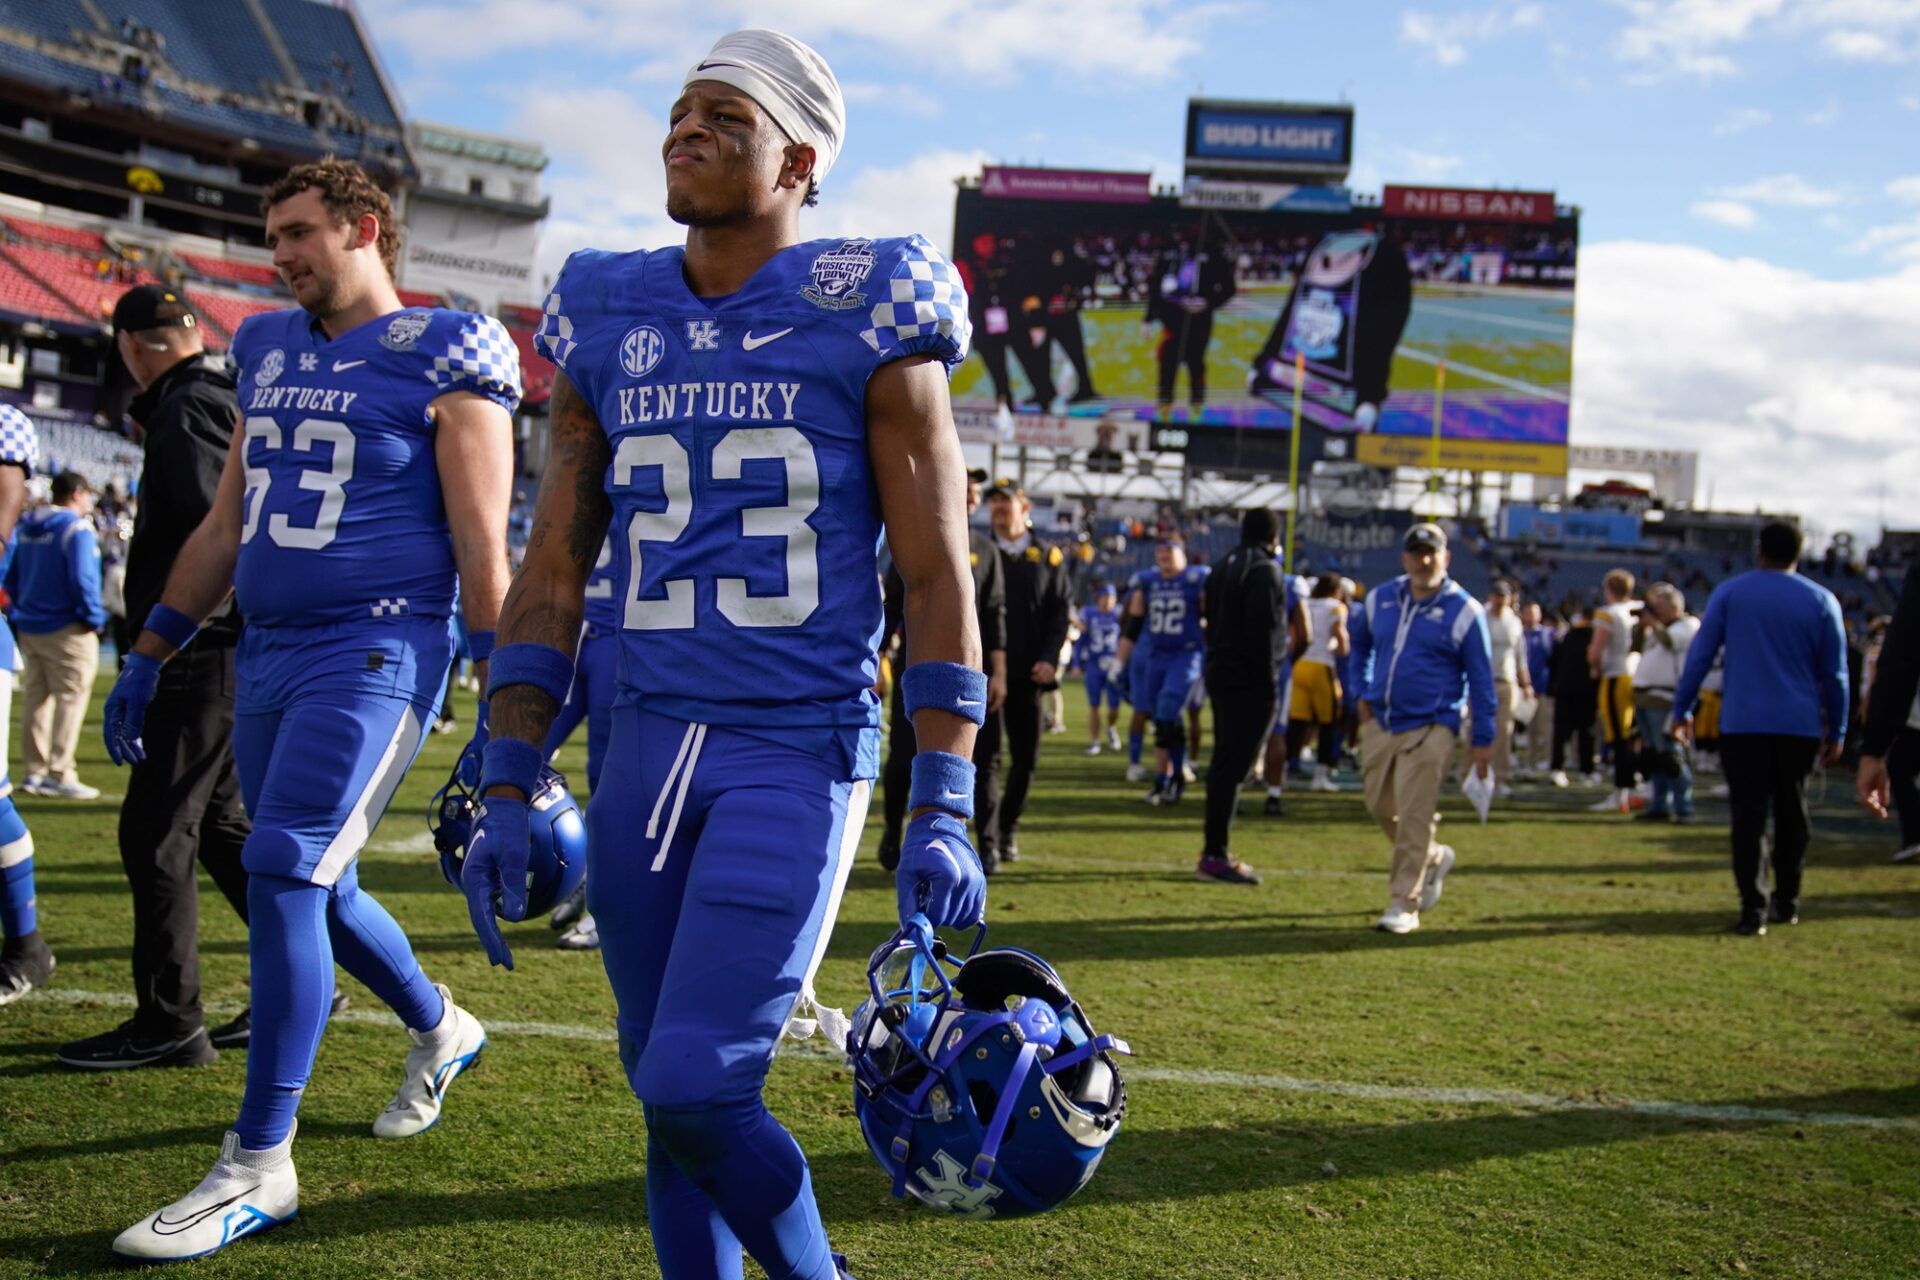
1422	662
1786	657
54	576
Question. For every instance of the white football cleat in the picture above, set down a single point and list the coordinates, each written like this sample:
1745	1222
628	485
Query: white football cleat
1136	773
1436	875
248	1192
1093	748
1113	739
1397	919
435	1061
584	936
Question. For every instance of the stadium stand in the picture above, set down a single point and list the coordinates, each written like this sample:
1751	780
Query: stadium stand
49	19
229	271
536	371
25	296
332	56
216	42
224	312
55	236
77	278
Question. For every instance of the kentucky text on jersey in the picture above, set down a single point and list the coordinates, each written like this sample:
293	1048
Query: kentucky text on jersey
738	401
303	399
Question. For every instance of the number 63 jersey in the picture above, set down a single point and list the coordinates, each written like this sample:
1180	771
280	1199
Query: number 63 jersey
746	525
343	514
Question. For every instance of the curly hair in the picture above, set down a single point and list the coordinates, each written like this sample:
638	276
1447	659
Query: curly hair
349	195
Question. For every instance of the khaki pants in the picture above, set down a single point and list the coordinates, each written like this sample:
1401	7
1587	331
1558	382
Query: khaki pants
1540	736
1504	692
54	691
1401	776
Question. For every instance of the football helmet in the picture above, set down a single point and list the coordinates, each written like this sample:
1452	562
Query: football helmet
557	860
980	1085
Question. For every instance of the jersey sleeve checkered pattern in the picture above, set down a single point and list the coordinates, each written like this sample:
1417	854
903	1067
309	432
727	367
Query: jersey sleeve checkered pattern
924	309
19	442
481	358
554	338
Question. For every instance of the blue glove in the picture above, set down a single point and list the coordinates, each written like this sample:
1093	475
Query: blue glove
468	770
940	874
495	871
126	714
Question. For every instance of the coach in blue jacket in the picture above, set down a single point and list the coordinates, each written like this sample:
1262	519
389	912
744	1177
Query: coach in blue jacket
1419	643
1786	695
54	582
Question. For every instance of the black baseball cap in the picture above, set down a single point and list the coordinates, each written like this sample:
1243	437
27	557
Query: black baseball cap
1425	536
978	475
1006	487
152	306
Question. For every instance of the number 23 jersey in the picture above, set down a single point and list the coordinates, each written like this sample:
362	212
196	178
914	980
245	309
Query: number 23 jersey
746	524
343	514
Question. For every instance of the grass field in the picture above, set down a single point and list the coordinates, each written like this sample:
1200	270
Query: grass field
1311	1098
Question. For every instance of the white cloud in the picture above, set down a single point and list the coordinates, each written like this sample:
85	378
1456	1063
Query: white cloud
1862	46
1447	38
1739	120
1828	113
1906	190
1728	213
891	99
1798	392
1689	37
894	201
978	39
606	180
1910	101
1787	189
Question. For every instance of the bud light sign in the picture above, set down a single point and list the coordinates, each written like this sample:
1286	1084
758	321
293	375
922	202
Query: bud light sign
1261	136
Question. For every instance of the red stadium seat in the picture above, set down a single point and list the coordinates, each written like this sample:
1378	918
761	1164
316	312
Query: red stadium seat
238	272
22	295
49	234
225	312
77	280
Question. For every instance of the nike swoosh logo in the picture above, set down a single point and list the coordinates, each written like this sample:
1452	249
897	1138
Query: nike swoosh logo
955	795
192	1220
969	702
341	366
750	343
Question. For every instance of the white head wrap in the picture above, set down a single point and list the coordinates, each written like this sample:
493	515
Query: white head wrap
791	82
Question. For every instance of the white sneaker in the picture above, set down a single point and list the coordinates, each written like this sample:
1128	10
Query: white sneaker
1398	919
1908	854
1093	749
1113	739
1436	876
33	784
248	1192
1595	778
584	936
1613	802
1136	773
1187	774
75	790
436	1059
1322	780
1560	779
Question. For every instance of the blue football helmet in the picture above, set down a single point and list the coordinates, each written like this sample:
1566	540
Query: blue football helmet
557	861
980	1085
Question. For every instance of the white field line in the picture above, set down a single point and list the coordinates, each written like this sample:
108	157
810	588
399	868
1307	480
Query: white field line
1498	379
1544	326
819	1054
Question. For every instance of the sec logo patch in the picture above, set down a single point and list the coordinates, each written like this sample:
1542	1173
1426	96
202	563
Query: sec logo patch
641	350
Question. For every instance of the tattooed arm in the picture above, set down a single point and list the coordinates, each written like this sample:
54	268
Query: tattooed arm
547	599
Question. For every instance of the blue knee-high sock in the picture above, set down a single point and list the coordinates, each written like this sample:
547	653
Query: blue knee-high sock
17	915
291	961
752	1170
369	944
690	1238
1134	742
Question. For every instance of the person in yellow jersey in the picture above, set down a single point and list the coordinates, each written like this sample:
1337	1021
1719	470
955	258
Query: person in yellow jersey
1315	705
1610	659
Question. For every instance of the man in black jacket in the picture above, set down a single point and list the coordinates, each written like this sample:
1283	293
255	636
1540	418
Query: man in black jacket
183	801
1039	602
1189	283
1249	635
990	604
1890	742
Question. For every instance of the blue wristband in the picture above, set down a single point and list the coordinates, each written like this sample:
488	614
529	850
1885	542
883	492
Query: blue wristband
540	665
942	780
479	645
509	762
945	686
171	625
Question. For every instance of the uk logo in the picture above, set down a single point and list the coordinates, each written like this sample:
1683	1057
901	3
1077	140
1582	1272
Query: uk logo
703	335
272	365
309	362
641	350
949	1189
837	275
405	330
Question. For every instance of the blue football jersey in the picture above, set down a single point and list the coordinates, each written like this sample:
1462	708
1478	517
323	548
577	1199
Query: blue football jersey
20	447
1173	609
746	527
603	590
344	518
1099	633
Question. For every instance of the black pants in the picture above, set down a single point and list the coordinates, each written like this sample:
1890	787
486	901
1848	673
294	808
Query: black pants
996	811
1571	727
992	350
896	778
1065	330
1185	343
1241	719
1767	773
183	802
1903	775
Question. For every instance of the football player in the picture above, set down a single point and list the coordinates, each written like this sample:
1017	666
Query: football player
748	412
590	699
374	468
1099	642
25	960
1168	602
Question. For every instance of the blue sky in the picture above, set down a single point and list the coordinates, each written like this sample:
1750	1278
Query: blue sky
1747	169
